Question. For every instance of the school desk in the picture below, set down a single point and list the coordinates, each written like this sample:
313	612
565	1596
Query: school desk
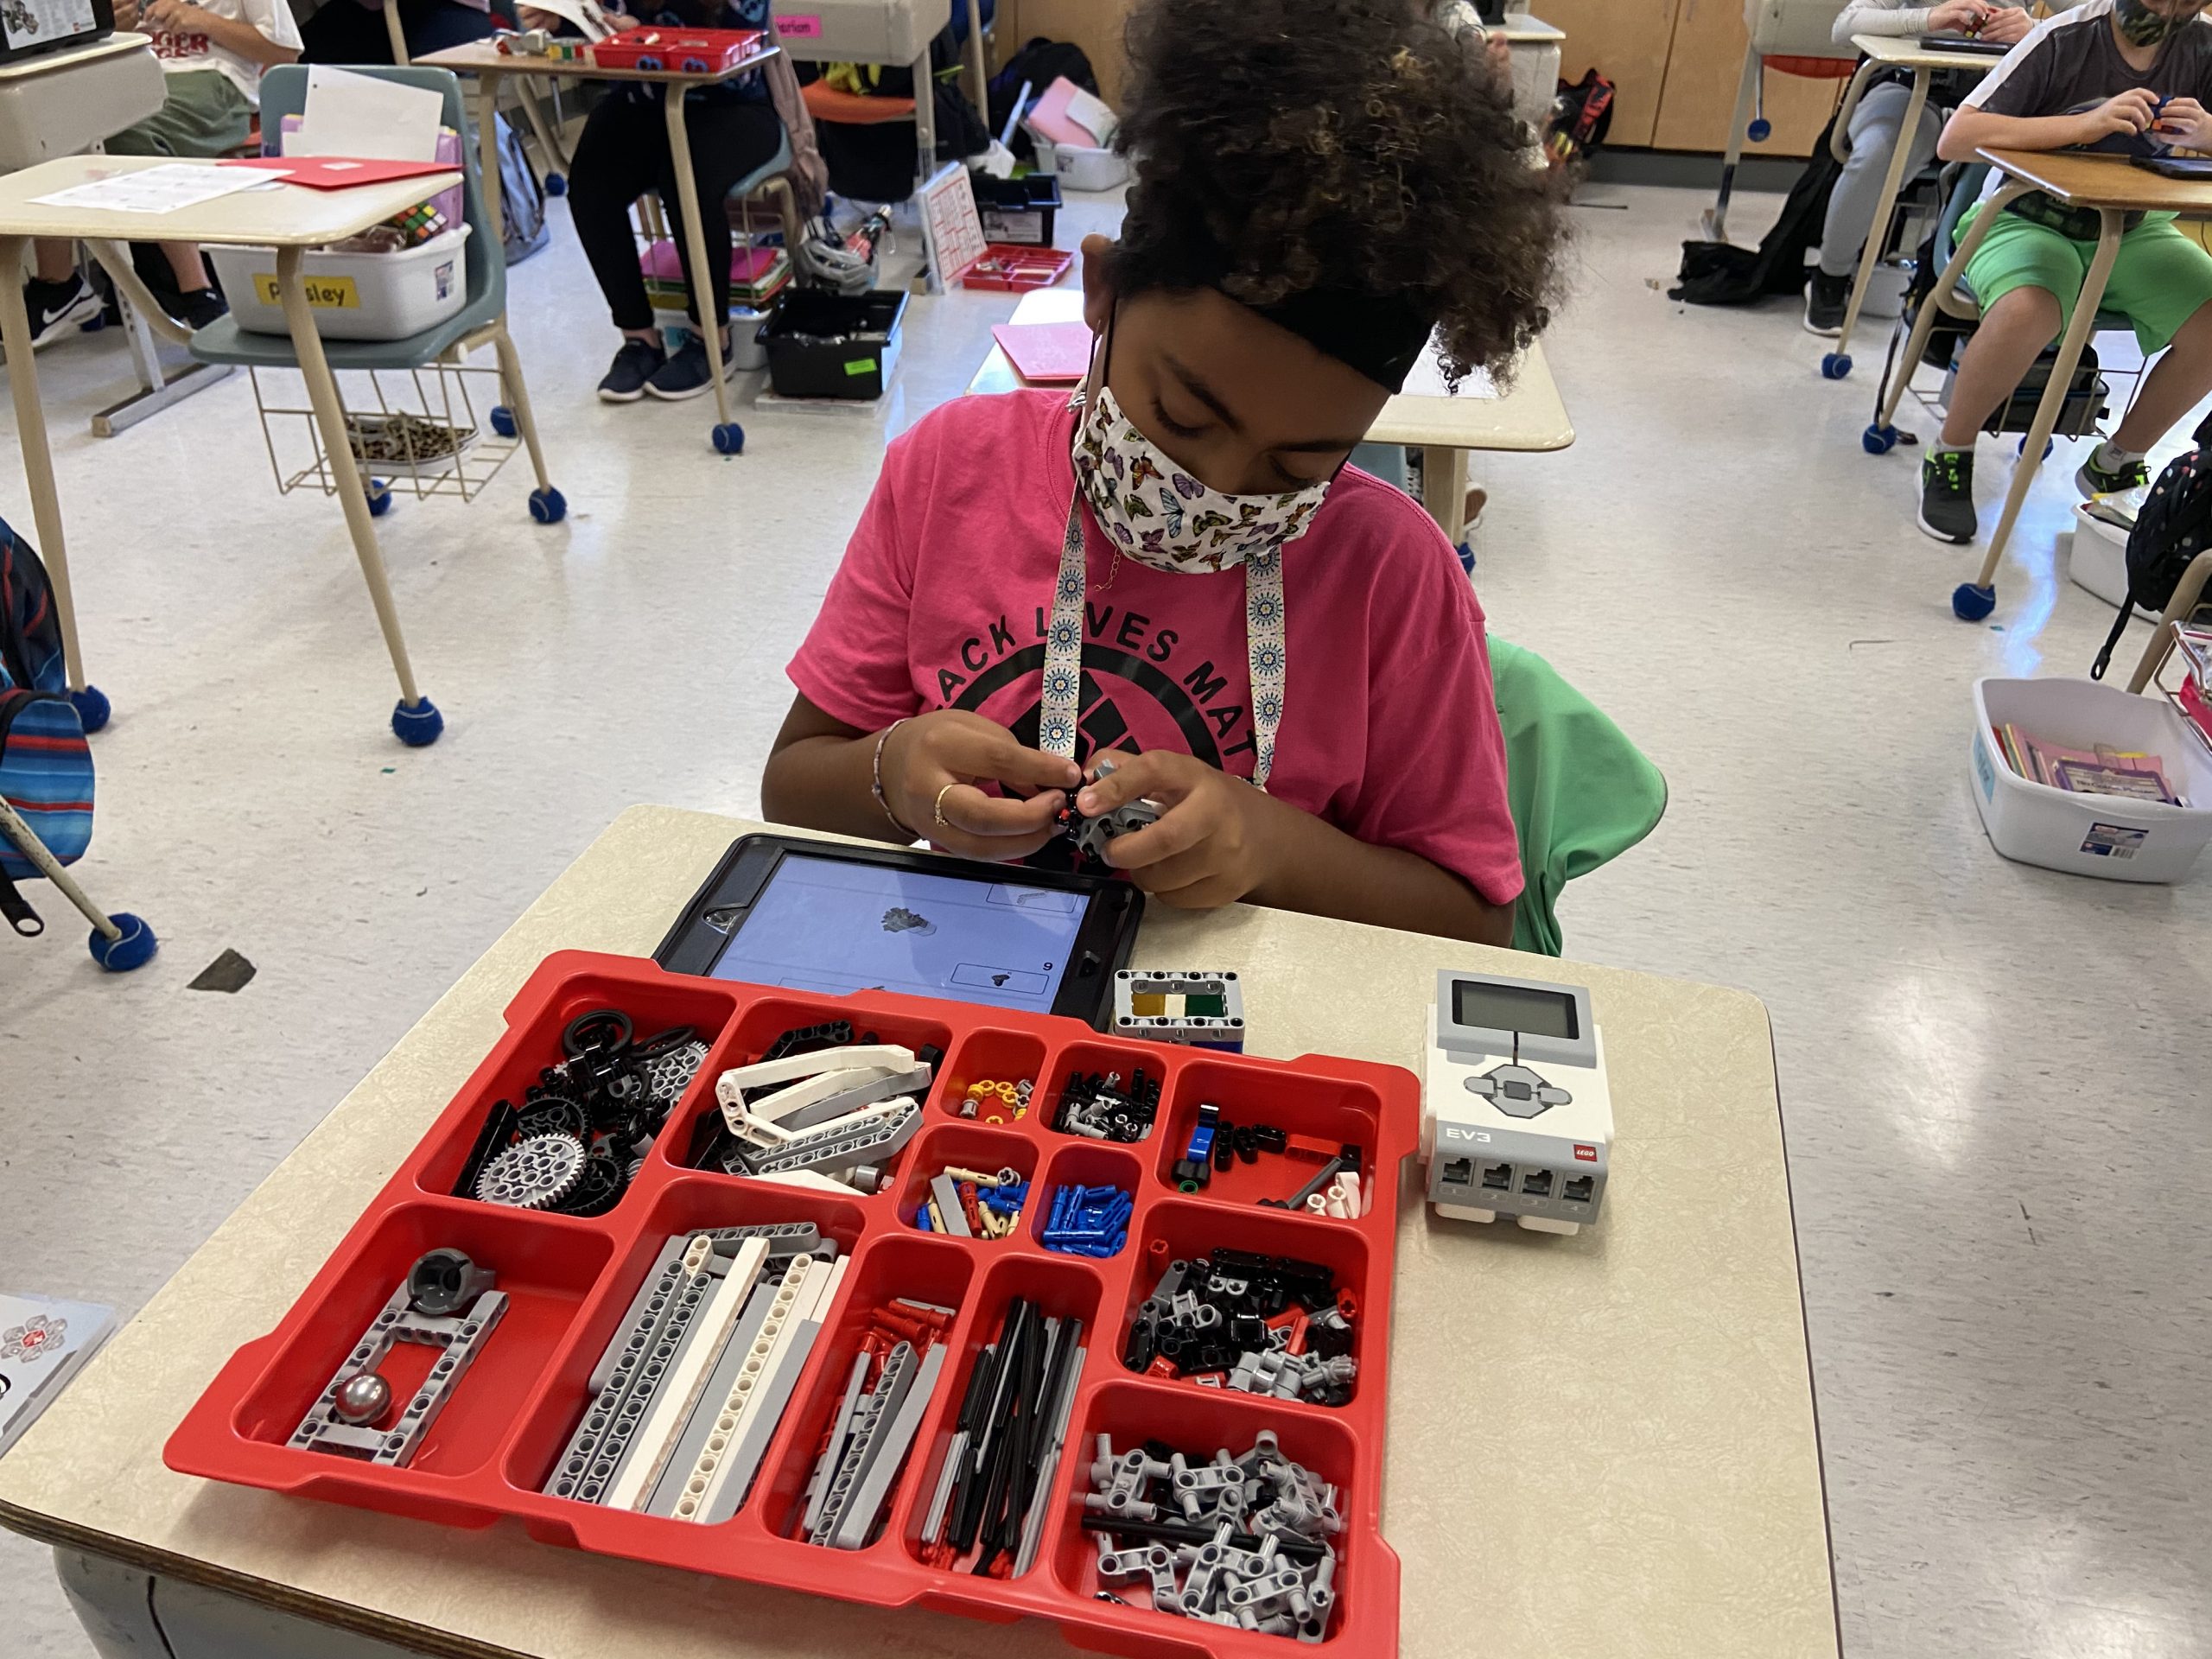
1533	48
288	217
1528	416
1598	1443
2114	188
1886	52
481	60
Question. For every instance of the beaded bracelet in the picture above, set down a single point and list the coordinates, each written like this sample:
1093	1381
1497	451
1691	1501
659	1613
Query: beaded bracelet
875	780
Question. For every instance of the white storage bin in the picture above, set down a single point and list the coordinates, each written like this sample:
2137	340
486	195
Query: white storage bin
858	31
2107	836
1079	169
2099	563
355	295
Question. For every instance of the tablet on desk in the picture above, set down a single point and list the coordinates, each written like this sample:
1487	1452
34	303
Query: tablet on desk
818	916
1965	43
2177	167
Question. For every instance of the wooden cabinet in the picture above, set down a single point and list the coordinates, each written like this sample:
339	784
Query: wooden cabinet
1094	25
1704	62
1626	41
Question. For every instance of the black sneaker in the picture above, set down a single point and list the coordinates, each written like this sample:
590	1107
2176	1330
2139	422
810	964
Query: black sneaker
636	363
1827	298
2095	480
685	374
60	309
1947	495
202	306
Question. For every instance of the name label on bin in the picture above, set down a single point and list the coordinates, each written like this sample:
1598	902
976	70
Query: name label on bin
324	293
861	365
807	28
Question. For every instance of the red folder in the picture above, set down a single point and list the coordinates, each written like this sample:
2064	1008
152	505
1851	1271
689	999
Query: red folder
339	172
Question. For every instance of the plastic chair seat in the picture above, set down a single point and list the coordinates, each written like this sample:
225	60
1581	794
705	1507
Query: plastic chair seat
224	341
780	162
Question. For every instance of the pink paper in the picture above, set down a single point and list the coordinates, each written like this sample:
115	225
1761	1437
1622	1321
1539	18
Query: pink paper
1046	353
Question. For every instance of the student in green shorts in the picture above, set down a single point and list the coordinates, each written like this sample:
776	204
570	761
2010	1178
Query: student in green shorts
2128	76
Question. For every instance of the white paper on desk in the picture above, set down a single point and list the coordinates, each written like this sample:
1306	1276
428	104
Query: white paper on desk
1427	380
585	15
362	116
159	189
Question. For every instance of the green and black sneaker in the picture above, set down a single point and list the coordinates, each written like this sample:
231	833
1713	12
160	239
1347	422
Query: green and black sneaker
1947	495
2094	480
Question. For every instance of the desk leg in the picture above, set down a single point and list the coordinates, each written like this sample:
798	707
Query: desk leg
2189	593
728	437
2054	394
526	94
925	159
1443	488
978	74
1837	362
1881	430
38	474
1716	217
487	152
417	721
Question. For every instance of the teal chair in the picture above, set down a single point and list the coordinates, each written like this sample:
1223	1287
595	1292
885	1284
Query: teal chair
415	720
1581	793
283	92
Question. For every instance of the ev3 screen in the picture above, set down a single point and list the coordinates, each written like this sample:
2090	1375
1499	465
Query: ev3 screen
825	925
1514	1007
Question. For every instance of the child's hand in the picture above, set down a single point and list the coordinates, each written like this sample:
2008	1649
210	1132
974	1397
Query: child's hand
174	17
532	18
2006	25
932	766
1957	17
2185	123
2127	113
1205	850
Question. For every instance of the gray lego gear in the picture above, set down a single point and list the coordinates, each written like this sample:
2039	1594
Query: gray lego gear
667	1076
534	1174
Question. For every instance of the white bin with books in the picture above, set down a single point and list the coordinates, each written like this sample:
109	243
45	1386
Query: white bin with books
2083	733
354	296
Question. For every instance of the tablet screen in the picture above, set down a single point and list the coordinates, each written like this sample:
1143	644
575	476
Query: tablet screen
831	925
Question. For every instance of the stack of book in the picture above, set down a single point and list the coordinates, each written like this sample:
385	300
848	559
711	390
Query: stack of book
2132	774
757	274
2193	698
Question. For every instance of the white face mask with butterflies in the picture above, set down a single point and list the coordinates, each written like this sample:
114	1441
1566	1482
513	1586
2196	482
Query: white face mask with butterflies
1160	515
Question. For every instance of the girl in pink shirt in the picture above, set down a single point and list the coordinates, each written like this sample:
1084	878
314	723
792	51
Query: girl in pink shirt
1176	566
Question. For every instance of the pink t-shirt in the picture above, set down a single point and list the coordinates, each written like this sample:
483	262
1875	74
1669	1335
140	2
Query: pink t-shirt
1389	729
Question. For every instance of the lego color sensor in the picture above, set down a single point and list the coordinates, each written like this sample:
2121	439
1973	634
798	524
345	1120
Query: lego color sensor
1517	1115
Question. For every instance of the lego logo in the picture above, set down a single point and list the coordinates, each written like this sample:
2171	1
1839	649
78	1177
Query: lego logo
1585	1154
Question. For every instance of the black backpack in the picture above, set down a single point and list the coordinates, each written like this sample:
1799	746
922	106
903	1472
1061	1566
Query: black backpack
1720	273
2174	526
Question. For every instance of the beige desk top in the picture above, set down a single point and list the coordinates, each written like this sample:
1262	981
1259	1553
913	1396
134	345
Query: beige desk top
288	215
1599	1444
1531	416
1907	51
482	58
1521	30
2079	180
120	43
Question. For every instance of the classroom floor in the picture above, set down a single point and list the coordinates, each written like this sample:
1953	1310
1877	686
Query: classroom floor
1993	1076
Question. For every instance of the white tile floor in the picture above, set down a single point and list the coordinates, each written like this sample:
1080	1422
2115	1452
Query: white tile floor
1995	1077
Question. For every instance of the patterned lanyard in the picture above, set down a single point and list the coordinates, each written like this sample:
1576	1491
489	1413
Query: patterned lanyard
1267	657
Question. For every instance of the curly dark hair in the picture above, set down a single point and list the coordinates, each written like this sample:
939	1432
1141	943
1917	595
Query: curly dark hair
1281	146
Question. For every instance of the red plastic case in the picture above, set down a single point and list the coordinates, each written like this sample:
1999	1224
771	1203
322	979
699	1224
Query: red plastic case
687	51
570	1280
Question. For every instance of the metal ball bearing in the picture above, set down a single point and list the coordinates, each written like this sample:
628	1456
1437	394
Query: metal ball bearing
362	1399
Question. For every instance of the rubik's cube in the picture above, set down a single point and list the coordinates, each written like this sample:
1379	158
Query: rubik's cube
1203	1010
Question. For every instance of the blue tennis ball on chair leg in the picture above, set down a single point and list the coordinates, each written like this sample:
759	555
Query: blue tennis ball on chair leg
133	947
418	727
1971	603
92	707
1878	440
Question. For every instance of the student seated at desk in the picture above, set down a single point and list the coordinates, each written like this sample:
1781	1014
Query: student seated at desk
623	152
354	31
1177	565
1877	125
2128	76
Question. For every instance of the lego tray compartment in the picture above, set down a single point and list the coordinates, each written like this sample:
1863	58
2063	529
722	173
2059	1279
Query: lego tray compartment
1000	1056
892	1267
1060	1287
965	1146
1196	1422
693	1126
1102	1057
566	985
1083	1163
688	1204
546	1268
1315	1112
1185	1230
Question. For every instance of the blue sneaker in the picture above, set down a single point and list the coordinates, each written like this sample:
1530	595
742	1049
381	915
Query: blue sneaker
685	374
635	364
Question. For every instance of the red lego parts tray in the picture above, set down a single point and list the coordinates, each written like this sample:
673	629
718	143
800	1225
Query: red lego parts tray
1031	1361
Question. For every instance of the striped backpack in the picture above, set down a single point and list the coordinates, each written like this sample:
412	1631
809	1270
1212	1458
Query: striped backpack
46	766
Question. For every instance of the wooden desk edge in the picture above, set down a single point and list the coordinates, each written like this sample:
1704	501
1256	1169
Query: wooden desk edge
2153	193
1895	50
475	58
